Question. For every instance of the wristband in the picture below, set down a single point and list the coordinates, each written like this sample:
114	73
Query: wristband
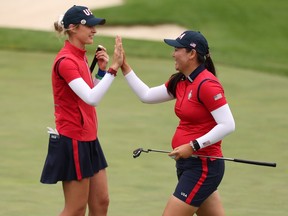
195	145
100	74
112	71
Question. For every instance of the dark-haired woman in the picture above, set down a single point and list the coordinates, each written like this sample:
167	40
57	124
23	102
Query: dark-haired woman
205	119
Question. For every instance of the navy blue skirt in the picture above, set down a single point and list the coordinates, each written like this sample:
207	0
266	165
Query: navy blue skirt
69	159
198	178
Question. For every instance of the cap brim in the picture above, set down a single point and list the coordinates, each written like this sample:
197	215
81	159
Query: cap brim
95	21
173	43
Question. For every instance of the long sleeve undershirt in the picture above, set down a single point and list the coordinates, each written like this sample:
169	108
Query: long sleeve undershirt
92	96
222	115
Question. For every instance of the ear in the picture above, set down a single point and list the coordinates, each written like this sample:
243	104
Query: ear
193	54
72	28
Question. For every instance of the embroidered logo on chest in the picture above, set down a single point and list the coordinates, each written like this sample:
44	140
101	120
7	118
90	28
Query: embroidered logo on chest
190	95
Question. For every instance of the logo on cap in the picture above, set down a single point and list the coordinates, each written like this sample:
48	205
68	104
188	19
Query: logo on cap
88	12
181	36
193	45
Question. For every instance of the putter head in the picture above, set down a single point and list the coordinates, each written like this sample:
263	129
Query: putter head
137	152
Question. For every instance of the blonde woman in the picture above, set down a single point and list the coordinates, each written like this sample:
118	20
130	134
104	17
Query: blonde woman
75	156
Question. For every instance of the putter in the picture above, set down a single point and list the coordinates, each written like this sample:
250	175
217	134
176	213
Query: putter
137	152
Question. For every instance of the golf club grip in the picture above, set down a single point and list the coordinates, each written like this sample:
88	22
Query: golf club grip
93	64
95	60
255	162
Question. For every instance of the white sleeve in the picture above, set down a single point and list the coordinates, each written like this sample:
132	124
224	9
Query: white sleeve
225	125
96	81
153	95
92	96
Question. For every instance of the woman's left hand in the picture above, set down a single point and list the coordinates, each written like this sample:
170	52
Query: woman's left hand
103	58
183	151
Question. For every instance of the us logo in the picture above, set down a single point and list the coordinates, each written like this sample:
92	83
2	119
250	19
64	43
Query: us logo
184	194
181	36
193	45
218	96
88	12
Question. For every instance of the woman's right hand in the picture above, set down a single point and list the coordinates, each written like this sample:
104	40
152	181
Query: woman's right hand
125	66
183	151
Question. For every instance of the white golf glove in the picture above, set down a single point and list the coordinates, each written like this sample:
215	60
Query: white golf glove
52	131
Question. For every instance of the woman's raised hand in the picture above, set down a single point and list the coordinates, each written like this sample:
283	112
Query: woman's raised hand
118	54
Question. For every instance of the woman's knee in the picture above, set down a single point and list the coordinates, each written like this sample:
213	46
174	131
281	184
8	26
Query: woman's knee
212	206
99	206
104	201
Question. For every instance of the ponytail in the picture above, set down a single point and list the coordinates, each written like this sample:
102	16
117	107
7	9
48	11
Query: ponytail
209	65
207	61
59	28
59	25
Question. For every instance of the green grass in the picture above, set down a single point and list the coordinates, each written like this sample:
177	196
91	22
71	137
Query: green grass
249	34
246	39
141	186
246	34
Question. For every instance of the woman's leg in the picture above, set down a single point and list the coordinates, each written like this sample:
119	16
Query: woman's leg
212	206
98	196
76	197
176	207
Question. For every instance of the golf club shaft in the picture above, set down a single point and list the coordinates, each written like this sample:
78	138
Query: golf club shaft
223	158
239	160
156	150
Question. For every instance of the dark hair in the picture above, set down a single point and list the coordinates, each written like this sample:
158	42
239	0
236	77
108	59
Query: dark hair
175	78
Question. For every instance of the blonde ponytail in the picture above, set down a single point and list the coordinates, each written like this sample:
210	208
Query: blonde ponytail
59	26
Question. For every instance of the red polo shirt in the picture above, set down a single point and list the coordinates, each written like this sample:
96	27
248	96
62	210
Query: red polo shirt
195	117
74	118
